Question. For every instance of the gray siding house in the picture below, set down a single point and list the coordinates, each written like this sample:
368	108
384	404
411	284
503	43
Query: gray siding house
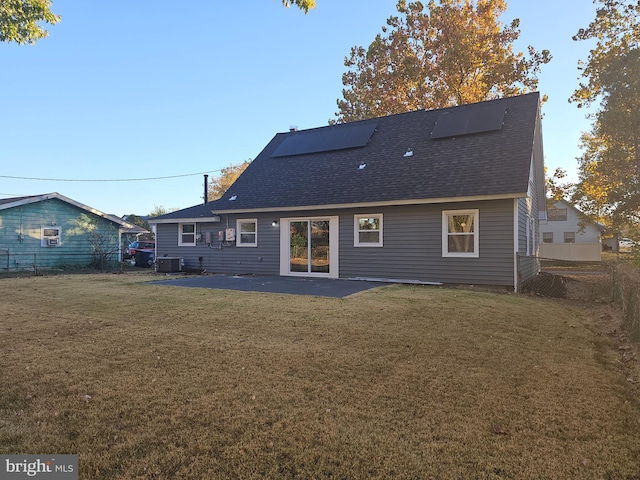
450	195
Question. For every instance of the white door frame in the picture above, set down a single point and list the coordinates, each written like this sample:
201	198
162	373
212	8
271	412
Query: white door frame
285	250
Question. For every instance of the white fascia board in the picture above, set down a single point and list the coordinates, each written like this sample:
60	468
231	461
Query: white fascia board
28	200
211	219
421	201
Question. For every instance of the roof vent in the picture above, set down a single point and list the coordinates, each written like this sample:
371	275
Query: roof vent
361	166
232	198
408	153
293	128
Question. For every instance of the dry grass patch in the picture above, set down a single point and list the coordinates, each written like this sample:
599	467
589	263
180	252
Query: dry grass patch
149	381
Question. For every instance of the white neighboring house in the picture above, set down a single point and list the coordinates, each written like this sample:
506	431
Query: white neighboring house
567	235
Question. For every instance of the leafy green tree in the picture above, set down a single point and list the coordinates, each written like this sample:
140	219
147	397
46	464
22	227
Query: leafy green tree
446	53
617	32
21	20
556	186
220	184
141	222
609	168
160	210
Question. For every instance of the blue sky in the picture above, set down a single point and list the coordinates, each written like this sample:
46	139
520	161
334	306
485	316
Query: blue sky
132	90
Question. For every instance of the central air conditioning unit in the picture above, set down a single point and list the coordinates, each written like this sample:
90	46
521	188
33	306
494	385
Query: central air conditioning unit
169	264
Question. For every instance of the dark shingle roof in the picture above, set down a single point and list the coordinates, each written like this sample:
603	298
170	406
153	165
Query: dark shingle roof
14	199
127	227
490	163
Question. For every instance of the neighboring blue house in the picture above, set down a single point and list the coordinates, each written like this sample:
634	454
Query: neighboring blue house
451	195
51	230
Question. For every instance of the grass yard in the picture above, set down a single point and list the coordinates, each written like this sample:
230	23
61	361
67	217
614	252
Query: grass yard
404	382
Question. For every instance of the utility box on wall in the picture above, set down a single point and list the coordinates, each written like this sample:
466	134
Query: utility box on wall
169	264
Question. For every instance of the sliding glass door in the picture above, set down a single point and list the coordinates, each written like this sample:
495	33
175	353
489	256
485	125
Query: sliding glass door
308	245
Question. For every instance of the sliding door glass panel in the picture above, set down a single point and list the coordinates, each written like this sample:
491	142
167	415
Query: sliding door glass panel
319	246
299	246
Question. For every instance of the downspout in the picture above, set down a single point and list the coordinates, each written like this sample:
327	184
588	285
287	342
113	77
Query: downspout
516	285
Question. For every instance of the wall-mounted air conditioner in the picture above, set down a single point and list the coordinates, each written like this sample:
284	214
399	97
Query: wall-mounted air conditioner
53	242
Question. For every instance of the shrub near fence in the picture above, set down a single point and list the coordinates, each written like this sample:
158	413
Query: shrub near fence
626	292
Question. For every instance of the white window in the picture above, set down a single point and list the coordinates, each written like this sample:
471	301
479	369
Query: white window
367	230
547	237
534	238
557	214
460	236
247	235
187	235
50	236
531	236
569	237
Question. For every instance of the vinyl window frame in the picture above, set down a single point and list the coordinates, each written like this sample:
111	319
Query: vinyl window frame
357	231
476	233
557	214
239	233
182	233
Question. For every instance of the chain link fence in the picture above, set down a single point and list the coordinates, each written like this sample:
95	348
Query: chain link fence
22	263
626	293
616	280
591	281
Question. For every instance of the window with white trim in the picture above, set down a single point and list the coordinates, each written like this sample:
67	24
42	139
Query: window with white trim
557	214
187	234
460	237
569	237
531	236
547	237
50	236
247	232
367	230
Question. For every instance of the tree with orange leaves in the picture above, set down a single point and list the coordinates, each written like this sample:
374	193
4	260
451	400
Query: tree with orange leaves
609	168
446	53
